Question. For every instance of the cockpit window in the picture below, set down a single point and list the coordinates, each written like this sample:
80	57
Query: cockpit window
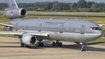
90	28
94	28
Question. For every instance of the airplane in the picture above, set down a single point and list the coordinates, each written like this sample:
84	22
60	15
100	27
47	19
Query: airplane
32	32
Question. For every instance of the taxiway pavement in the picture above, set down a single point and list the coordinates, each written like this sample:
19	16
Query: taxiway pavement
10	49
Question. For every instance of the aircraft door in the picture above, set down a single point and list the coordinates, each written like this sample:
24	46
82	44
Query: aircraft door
61	29
82	29
39	28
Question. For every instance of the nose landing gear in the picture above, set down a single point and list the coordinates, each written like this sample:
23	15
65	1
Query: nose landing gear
83	46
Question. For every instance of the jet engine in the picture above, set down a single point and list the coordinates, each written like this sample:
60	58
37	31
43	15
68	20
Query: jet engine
15	13
29	40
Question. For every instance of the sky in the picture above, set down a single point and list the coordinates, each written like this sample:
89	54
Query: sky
32	1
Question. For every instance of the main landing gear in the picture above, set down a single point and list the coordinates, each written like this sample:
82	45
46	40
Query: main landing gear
40	44
23	45
57	43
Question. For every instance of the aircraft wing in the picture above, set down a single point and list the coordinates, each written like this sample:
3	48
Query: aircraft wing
6	25
23	33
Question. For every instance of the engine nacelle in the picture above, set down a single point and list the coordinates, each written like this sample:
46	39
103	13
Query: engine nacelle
16	13
29	40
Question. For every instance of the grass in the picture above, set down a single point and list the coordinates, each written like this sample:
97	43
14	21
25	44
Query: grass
4	19
100	41
98	20
68	13
1	12
65	13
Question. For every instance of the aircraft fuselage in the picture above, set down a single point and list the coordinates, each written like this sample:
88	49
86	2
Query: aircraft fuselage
58	29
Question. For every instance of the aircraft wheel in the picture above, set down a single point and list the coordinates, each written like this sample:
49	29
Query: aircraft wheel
53	44
40	44
27	46
57	44
22	44
60	44
83	49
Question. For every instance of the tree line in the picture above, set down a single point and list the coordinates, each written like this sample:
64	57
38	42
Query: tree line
80	6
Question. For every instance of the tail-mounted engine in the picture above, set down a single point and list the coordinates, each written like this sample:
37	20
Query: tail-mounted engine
15	13
29	40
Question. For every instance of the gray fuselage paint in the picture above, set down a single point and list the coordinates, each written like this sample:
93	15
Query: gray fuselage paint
59	29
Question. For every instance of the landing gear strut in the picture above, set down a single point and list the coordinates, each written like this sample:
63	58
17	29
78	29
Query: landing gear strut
83	47
57	43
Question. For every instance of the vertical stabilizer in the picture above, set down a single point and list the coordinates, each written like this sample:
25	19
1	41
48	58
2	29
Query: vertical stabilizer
12	5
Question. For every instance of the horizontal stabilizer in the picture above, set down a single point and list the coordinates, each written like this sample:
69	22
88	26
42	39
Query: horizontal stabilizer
6	25
11	32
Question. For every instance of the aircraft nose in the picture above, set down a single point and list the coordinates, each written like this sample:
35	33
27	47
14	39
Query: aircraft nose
99	33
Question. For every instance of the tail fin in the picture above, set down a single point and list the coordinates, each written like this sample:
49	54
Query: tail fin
12	5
